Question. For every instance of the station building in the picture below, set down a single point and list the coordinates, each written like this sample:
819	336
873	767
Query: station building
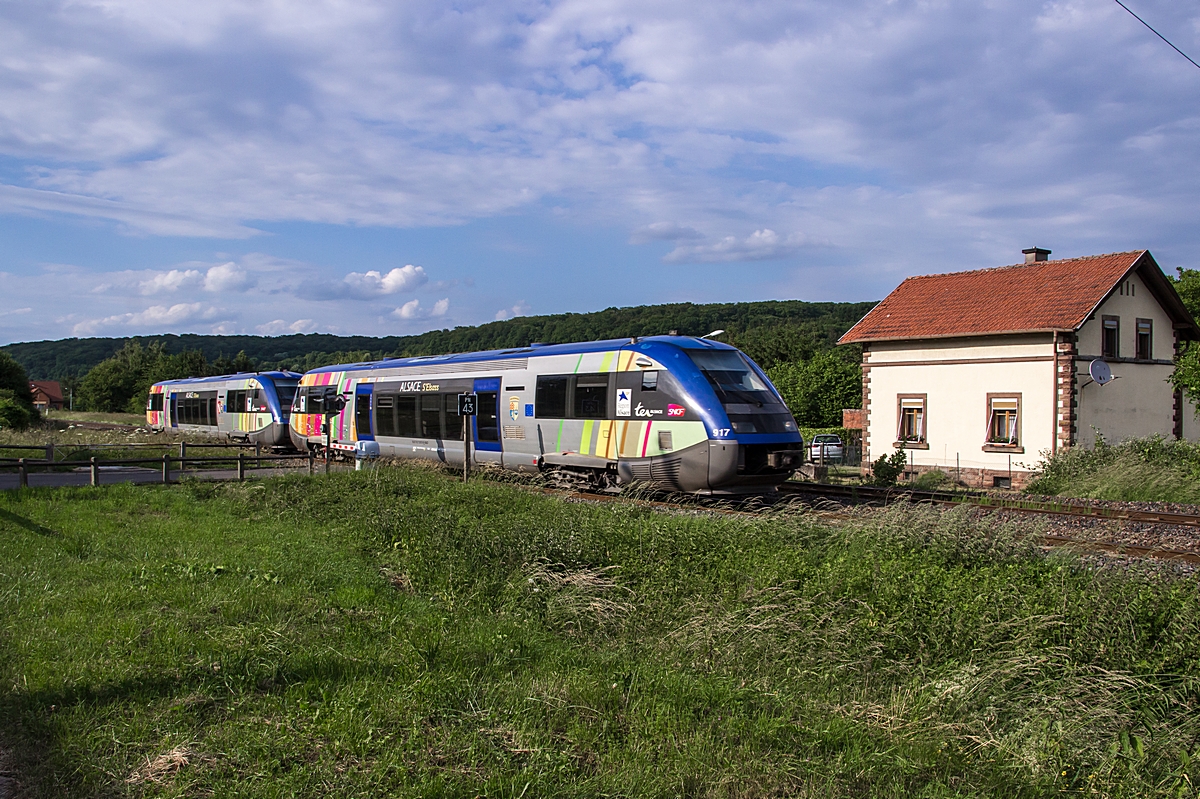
978	373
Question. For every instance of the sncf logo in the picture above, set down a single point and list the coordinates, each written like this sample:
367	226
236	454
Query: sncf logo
676	410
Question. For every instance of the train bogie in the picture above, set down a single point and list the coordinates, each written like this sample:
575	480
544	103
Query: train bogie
675	412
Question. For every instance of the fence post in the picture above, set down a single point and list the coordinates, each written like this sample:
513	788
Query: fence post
182	455
22	473
257	453
166	470
241	465
95	472
312	462
50	452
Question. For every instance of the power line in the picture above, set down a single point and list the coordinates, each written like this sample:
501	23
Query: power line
1156	33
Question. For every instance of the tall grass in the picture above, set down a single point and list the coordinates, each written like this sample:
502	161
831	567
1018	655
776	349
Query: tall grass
396	633
1154	469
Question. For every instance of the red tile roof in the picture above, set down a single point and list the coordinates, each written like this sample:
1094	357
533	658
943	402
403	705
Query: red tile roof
50	388
1041	296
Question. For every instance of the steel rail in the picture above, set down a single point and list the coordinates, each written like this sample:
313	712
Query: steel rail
876	495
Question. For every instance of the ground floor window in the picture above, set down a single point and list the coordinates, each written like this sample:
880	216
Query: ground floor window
1004	417
911	418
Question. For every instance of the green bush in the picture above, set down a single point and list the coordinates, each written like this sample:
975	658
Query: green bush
888	468
1154	469
932	480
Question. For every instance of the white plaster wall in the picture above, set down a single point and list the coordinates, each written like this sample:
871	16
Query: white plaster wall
957	419
978	347
1141	401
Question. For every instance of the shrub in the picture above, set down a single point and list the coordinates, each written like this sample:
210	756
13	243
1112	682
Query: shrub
1137	469
889	467
931	480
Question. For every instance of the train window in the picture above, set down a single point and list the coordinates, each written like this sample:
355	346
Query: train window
362	414
156	402
385	415
235	402
650	380
731	377
454	422
591	397
406	416
431	416
316	399
487	422
550	401
287	393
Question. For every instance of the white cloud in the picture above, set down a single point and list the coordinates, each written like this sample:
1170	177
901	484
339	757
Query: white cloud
761	245
156	316
174	280
373	283
663	231
413	310
520	309
16	312
226	277
279	327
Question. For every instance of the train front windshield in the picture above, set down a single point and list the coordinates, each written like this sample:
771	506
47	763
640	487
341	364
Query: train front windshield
732	378
287	393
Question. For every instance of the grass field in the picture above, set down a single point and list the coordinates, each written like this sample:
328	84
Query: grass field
136	419
395	633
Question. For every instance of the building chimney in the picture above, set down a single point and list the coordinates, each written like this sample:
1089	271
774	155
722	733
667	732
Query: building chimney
1034	254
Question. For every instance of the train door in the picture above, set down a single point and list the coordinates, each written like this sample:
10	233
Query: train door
362	413
174	410
487	421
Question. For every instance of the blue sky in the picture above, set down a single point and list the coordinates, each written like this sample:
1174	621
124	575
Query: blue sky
388	168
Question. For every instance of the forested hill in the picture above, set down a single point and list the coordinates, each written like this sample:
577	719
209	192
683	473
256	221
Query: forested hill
770	332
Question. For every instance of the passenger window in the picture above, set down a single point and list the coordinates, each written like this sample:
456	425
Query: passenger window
591	397
487	422
431	416
650	381
406	416
362	414
550	401
454	422
385	415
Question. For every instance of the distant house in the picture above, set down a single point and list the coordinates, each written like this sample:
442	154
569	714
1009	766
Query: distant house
981	371
47	394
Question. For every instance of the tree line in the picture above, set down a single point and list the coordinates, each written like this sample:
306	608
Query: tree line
793	341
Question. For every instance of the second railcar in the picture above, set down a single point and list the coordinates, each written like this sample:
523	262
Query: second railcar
687	414
243	407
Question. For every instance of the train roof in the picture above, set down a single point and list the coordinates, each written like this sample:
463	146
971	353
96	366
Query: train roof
236	376
683	342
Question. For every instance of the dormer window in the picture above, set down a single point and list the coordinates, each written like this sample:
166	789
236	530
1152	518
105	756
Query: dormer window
1111	343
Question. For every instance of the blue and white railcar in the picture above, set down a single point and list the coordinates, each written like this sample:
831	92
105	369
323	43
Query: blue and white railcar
252	407
683	413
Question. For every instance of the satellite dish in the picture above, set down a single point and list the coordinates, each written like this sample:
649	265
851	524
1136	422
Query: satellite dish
1100	371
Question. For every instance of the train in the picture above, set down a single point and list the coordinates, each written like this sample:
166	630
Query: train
253	407
677	412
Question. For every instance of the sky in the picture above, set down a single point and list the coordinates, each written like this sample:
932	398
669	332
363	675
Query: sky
385	168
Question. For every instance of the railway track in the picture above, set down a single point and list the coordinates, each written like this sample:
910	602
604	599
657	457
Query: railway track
872	495
869	495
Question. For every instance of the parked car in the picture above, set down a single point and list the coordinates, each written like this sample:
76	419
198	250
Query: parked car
826	448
